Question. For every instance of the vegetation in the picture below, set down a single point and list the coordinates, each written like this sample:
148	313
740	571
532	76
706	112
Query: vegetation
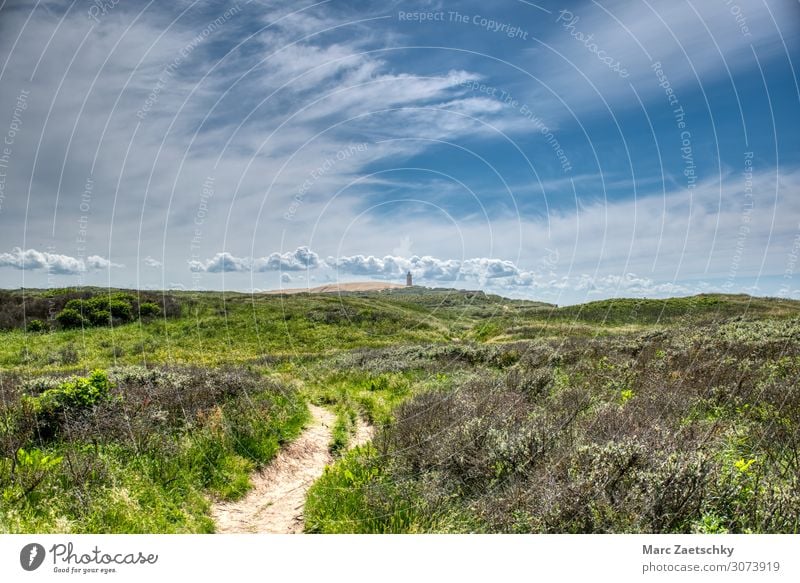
38	310
36	326
124	411
684	430
104	310
135	449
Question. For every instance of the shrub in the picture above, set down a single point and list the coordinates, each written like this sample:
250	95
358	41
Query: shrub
100	317
101	310
68	355
75	392
30	469
121	310
98	302
74	305
149	310
17	308
54	406
70	318
36	326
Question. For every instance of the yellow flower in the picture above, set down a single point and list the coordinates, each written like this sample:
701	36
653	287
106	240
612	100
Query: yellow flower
743	465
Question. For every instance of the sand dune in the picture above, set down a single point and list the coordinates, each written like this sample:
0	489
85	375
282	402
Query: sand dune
354	286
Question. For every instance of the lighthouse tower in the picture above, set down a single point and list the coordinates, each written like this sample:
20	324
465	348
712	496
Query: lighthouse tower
408	279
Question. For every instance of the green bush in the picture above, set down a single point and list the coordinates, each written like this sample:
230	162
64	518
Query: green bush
55	405
30	469
68	355
76	392
121	310
36	326
100	317
149	310
102	310
70	318
75	304
19	307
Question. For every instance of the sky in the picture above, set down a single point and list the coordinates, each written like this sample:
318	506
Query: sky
561	151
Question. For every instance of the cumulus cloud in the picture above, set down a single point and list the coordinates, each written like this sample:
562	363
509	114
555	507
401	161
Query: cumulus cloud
300	259
478	269
34	260
367	265
431	267
154	263
484	268
220	262
502	274
494	274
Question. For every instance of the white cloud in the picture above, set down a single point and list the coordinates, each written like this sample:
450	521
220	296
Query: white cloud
484	268
300	259
427	267
56	263
366	265
154	263
97	262
707	234
625	285
504	276
220	262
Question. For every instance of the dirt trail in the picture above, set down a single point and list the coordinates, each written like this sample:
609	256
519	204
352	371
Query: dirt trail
275	503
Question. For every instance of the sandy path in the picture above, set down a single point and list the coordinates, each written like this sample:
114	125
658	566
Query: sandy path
275	503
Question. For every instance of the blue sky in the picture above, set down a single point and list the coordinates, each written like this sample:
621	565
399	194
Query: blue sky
565	151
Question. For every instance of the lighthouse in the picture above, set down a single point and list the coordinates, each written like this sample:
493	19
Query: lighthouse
408	279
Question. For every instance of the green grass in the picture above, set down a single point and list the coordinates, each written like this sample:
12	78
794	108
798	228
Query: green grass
339	502
343	428
215	329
